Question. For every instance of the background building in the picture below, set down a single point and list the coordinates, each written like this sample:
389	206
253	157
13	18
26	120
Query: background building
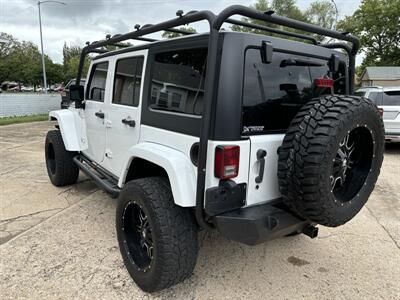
380	76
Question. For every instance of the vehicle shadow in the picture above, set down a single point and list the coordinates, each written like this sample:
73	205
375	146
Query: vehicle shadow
392	148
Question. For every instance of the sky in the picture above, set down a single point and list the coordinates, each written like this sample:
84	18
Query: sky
88	20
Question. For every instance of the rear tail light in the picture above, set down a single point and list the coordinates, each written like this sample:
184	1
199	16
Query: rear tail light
381	111
227	161
323	82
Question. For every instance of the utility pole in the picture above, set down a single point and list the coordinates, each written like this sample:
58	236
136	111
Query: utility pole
41	41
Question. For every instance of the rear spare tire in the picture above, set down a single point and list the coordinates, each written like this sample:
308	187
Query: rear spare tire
330	158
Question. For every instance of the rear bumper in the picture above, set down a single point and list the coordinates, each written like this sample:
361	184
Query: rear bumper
257	224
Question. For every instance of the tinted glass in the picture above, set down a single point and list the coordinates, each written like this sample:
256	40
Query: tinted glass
391	98
273	93
128	76
375	97
177	82
97	83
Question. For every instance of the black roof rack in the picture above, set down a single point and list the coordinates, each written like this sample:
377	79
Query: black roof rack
215	23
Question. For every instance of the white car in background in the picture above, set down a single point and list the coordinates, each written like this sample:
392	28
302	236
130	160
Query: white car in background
388	101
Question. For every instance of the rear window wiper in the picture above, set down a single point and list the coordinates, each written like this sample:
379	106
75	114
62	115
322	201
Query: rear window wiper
299	62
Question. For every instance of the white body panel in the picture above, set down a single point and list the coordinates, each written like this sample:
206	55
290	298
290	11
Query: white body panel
268	189
391	119
171	151
73	130
95	126
121	137
179	168
96	131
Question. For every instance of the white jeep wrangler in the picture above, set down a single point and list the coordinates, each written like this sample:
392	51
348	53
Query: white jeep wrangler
251	134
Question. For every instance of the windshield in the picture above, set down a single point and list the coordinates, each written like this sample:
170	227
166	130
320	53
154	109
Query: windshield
273	93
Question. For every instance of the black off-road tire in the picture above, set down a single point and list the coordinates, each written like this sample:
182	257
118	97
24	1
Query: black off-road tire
309	150
173	231
60	167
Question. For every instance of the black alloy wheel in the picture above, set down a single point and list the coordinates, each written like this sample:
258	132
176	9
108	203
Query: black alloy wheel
157	239
352	163
138	240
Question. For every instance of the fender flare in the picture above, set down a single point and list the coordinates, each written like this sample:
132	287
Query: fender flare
70	124
181	172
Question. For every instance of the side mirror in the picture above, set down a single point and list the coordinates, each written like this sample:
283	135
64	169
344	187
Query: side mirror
76	92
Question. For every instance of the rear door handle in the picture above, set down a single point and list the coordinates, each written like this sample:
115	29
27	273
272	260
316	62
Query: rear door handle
99	114
130	123
261	158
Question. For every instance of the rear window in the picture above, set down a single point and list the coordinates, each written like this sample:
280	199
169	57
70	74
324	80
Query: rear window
177	83
391	98
273	93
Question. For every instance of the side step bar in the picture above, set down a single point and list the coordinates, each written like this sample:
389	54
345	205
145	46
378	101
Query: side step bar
100	176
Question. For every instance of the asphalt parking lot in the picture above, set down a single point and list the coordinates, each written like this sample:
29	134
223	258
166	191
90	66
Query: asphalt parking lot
60	243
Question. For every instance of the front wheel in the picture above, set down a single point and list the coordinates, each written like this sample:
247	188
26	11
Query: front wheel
61	168
157	239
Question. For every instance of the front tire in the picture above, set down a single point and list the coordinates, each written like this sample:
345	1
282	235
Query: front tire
61	168
157	239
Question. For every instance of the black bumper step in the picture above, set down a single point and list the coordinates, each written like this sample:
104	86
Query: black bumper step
100	176
257	224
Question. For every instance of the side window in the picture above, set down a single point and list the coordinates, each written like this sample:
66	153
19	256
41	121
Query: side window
97	82
177	82
127	80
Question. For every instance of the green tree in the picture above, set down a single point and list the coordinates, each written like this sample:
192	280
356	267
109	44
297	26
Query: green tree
54	71
261	5
320	13
171	35
8	45
21	62
288	8
71	58
7	48
377	24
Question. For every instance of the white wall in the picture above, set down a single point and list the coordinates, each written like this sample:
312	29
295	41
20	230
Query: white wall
22	104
